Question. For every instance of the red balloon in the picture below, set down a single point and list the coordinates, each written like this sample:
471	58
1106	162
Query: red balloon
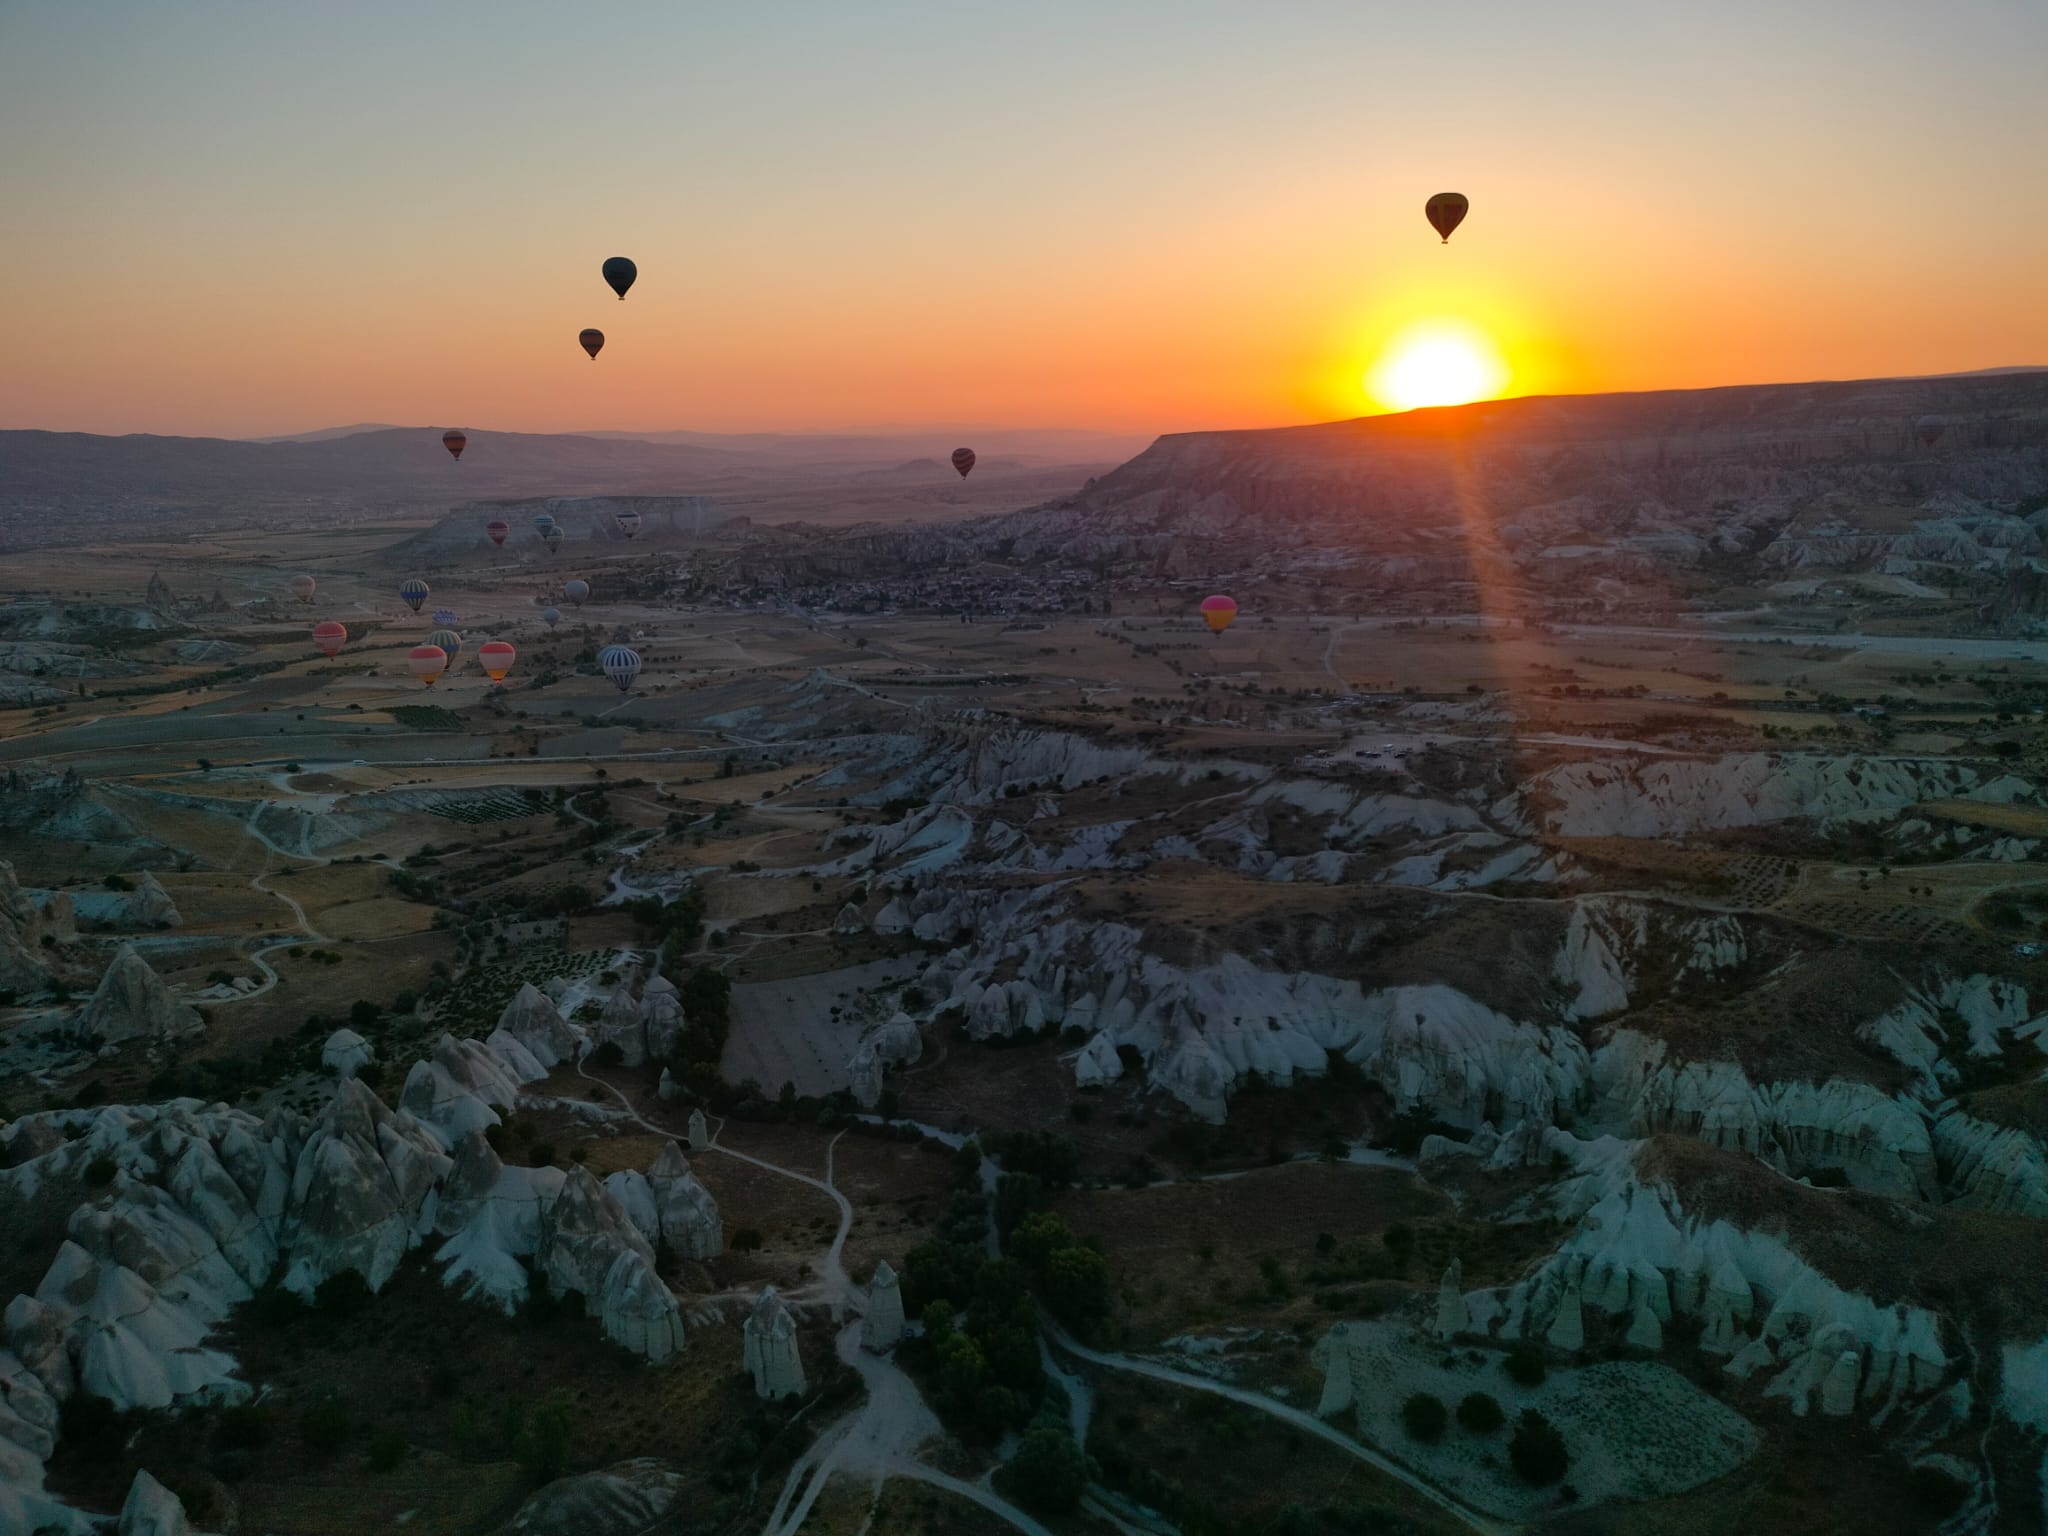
593	341
963	460
455	441
1445	212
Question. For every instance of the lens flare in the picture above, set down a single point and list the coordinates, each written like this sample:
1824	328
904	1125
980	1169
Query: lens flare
1437	362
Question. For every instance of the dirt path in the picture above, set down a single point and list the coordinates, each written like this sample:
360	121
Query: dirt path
1308	1423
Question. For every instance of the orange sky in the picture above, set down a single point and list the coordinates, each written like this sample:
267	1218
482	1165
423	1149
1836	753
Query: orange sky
243	220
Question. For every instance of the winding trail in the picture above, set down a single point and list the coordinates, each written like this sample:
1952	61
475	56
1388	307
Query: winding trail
1308	1423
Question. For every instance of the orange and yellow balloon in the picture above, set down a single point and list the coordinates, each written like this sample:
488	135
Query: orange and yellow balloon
1219	612
496	658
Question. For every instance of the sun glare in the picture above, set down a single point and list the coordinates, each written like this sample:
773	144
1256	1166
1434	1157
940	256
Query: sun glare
1437	363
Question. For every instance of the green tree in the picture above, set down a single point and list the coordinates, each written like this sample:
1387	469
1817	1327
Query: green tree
1424	1417
1050	1472
1537	1450
544	1447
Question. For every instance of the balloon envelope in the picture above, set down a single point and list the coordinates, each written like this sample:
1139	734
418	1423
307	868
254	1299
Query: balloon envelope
414	591
1446	211
302	588
619	271
576	591
629	522
496	658
592	340
1930	429
499	530
543	521
621	664
963	460
427	662
552	537
551	617
455	442
1219	612
448	641
445	617
330	636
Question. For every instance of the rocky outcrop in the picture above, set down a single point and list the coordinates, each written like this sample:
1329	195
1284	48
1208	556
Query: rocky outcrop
1881	1142
770	1349
1633	1249
624	1500
536	1024
622	1025
700	1131
23	963
685	1215
661	1009
638	1312
850	921
585	1232
1452	1317
345	1054
151	1509
358	1187
132	1003
465	1085
1674	797
881	1326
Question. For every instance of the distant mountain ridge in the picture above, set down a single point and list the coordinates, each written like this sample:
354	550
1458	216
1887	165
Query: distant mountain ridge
1558	489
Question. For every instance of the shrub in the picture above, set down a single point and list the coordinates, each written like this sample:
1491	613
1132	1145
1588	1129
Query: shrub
746	1240
118	883
1538	1451
343	1295
1049	1472
325	1428
387	1450
1525	1366
1480	1413
1424	1417
243	1427
610	1054
1934	1492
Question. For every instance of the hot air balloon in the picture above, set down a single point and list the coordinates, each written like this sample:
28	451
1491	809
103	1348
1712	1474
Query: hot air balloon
499	530
1446	212
629	522
1219	612
551	617
455	441
592	340
543	521
552	537
302	588
576	591
963	460
619	271
621	664
445	617
427	662
330	636
1930	429
448	641
414	591
496	658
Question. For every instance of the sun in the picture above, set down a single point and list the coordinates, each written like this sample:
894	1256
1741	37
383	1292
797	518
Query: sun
1437	362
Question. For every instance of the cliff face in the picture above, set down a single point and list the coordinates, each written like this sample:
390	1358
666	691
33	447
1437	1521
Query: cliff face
1673	476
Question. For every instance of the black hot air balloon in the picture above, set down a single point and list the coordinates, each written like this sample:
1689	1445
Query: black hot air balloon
963	460
1930	429
1446	211
619	271
593	340
454	441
